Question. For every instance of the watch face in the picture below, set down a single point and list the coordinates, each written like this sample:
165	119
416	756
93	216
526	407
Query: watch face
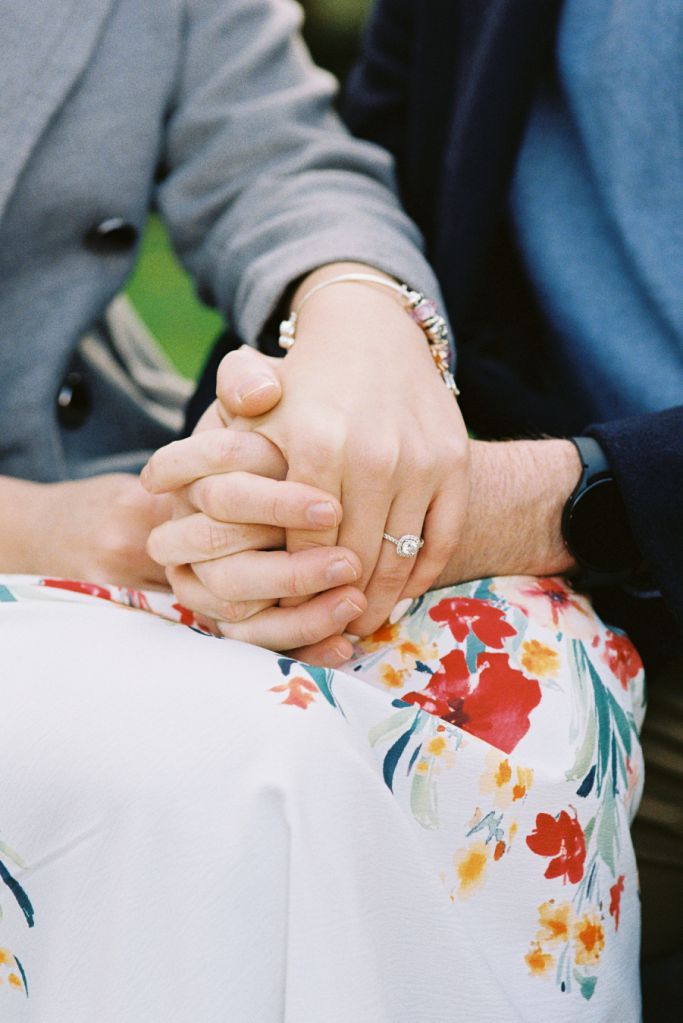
599	536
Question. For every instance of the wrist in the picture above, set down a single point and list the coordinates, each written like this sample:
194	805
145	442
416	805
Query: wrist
514	519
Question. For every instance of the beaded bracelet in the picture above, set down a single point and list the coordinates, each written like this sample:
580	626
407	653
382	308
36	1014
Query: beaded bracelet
420	309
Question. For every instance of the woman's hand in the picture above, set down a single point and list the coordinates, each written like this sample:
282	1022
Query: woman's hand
94	529
365	416
223	550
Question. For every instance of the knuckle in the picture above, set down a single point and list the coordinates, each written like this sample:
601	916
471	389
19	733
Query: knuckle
226	448
206	492
233	611
155	546
302	633
391	575
296	581
280	509
382	460
213	538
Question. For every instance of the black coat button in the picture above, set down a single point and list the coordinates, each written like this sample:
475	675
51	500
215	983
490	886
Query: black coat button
73	401
111	237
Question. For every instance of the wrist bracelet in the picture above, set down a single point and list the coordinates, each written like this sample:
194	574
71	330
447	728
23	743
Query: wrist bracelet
420	309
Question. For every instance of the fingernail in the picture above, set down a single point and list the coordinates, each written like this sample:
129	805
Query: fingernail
322	513
334	657
399	610
340	571
346	610
255	386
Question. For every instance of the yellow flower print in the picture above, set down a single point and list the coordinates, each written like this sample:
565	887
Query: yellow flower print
539	659
503	773
392	678
422	767
470	867
5	957
411	651
507	784
15	981
538	961
555	921
436	746
589	940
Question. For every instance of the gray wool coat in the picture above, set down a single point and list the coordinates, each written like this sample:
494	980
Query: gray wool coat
212	111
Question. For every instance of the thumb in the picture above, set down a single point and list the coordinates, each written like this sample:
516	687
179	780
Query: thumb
248	383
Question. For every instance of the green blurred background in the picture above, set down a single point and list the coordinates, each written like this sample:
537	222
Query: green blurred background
160	290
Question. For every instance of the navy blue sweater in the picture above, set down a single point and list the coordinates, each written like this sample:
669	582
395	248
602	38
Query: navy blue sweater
447	86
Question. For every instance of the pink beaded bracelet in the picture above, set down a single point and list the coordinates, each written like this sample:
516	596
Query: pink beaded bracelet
420	309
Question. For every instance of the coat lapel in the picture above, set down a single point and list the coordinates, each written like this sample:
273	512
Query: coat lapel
45	47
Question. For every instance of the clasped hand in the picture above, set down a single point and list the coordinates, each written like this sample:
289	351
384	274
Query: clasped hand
283	493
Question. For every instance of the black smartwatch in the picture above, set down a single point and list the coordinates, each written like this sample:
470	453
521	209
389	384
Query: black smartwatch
595	526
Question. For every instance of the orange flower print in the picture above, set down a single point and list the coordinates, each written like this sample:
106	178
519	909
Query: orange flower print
538	961
300	691
541	660
622	658
554	920
392	677
615	893
470	867
589	940
385	636
562	839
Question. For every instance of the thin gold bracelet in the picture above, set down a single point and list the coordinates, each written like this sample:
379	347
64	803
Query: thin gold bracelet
420	309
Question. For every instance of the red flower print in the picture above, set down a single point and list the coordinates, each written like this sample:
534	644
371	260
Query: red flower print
494	704
90	589
463	614
560	599
621	657
551	604
615	900
562	838
300	691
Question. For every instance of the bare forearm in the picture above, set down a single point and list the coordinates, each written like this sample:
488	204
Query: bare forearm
20	502
513	525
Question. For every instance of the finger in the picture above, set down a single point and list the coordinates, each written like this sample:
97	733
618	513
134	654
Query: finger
212	419
287	628
392	571
248	382
245	497
263	575
209	452
191	593
322	465
442	529
195	538
332	652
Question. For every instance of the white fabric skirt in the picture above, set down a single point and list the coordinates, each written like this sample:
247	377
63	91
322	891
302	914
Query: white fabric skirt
194	830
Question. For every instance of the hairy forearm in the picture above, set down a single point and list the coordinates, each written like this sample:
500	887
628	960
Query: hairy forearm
513	525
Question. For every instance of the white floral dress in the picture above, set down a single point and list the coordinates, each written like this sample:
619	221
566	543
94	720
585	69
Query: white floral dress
199	830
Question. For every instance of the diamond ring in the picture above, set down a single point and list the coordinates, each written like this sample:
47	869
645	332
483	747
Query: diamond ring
406	546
